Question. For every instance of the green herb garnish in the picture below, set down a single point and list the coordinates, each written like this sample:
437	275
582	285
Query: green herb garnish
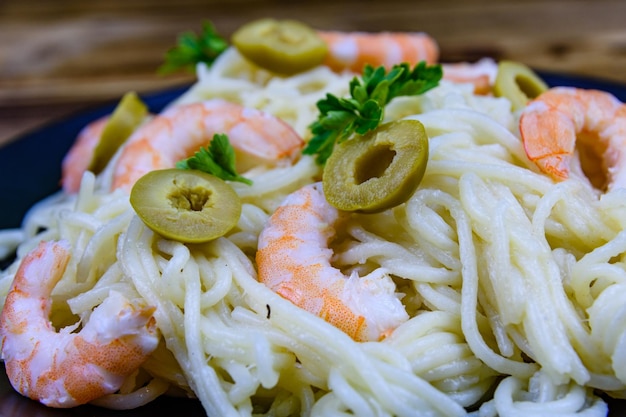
363	111
217	159
192	49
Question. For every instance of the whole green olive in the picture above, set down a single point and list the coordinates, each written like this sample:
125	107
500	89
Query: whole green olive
378	171
518	83
282	46
186	205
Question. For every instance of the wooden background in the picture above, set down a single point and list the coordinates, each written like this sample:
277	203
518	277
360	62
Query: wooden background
60	56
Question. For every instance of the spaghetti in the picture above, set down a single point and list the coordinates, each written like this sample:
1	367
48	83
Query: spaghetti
514	284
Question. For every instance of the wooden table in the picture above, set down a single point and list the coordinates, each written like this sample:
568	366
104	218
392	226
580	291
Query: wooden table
57	57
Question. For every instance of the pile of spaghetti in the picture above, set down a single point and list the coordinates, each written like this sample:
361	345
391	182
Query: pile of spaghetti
513	283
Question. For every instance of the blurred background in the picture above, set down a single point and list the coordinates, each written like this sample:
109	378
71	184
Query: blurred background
58	57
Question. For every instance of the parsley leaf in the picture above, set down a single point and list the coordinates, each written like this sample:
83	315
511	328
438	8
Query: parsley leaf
217	159
192	49
363	111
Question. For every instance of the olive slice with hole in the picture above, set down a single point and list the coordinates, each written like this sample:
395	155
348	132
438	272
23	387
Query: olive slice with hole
518	83
379	170
282	46
128	114
186	205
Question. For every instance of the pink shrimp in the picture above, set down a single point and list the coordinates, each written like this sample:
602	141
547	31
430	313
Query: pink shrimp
293	259
77	159
552	123
65	369
353	50
258	137
481	74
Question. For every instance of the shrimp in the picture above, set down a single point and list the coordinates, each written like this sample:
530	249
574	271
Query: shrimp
353	50
552	123
176	133
77	160
65	369
293	259
482	74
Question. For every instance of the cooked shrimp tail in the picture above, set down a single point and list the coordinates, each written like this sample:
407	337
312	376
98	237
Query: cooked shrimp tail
293	260
65	368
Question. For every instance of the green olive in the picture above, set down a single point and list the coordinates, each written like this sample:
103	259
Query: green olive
128	114
518	83
378	171
282	46
186	205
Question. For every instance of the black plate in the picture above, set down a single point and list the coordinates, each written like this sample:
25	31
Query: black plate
30	170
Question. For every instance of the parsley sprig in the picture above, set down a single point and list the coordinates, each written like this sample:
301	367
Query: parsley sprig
217	159
363	111
192	48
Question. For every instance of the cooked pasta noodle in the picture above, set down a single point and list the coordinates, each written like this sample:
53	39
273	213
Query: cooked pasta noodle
514	284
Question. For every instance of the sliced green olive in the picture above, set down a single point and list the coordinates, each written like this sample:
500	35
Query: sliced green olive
378	171
518	83
128	114
186	205
282	46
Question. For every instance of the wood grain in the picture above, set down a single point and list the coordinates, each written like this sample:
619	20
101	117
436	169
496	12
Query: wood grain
57	57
